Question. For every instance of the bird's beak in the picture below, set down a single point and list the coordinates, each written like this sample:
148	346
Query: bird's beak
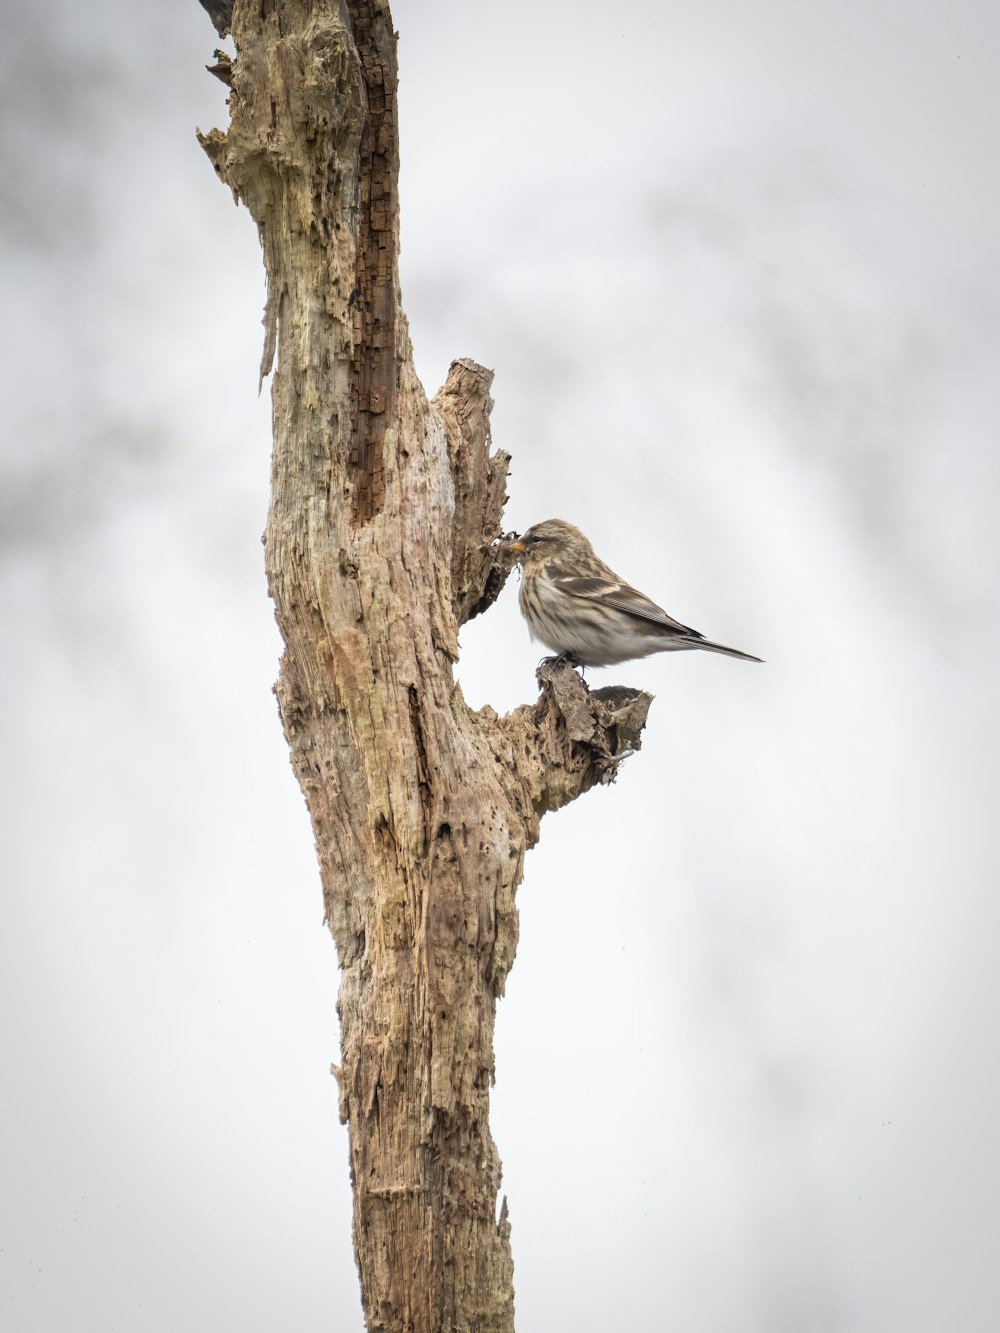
518	548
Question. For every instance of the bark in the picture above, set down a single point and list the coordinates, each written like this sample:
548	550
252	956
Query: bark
380	544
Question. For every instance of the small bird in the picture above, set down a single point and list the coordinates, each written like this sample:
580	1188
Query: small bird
578	606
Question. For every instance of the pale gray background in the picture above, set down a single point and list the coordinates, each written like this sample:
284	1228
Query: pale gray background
736	268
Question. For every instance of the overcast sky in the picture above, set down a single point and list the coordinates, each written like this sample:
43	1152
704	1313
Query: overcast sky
736	269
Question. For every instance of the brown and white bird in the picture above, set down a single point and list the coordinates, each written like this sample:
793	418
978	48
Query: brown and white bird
579	607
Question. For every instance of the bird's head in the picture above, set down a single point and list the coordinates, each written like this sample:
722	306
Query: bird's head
551	538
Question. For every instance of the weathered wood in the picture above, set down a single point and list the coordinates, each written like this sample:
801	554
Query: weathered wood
380	543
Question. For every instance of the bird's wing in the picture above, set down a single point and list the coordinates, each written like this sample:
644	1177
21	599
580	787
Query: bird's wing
621	597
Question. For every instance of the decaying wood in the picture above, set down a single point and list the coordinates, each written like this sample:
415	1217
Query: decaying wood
380	544
221	14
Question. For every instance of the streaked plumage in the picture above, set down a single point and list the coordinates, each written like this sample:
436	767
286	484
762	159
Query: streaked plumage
578	606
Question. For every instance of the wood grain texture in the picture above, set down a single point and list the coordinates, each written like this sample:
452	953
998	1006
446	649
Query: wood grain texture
381	542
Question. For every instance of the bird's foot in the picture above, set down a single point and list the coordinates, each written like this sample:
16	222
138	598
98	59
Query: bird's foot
559	659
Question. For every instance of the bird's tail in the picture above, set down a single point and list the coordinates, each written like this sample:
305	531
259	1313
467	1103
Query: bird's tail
711	647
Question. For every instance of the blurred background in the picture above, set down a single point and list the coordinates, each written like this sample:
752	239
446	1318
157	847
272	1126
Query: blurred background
736	269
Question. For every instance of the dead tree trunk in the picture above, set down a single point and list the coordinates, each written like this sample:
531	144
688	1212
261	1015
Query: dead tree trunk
380	544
